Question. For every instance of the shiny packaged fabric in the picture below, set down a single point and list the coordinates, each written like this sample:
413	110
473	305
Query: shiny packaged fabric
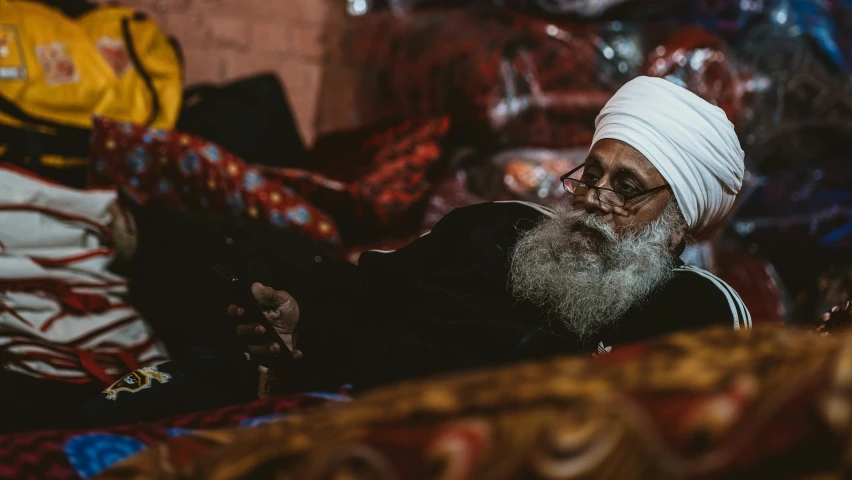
513	79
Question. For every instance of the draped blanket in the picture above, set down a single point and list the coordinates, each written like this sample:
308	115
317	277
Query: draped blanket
765	403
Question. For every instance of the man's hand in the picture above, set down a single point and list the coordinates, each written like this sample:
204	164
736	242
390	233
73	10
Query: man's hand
837	321
280	309
123	228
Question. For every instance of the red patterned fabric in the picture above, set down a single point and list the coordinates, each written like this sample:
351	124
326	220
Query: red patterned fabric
754	280
46	454
719	403
192	174
534	82
699	60
518	79
373	181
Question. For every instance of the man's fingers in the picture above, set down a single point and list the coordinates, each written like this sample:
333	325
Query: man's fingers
250	329
235	311
265	295
279	306
265	350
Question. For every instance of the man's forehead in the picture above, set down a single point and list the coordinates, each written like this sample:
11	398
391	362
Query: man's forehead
619	157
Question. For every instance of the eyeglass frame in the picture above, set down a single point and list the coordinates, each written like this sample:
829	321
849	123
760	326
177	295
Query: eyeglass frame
597	189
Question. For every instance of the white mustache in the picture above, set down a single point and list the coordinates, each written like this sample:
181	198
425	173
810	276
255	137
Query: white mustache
596	224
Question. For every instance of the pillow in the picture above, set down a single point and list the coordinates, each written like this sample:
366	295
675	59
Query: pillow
374	181
762	403
192	174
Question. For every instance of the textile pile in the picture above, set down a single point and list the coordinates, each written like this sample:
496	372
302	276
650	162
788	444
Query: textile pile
767	404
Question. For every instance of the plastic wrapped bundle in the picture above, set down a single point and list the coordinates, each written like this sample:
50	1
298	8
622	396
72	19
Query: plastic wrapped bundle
808	205
836	321
490	68
575	8
840	18
530	175
450	193
516	80
834	297
728	16
800	219
797	136
827	22
798	99
755	281
698	60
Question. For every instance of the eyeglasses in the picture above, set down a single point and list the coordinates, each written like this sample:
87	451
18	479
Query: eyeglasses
608	196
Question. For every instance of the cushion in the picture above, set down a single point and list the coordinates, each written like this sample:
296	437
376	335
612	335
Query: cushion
764	403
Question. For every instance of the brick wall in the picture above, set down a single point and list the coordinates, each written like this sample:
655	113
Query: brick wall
227	39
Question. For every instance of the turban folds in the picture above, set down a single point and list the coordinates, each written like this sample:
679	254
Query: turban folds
690	142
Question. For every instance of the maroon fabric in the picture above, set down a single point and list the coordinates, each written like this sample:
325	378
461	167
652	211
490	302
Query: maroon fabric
374	181
700	61
190	173
43	454
515	79
719	403
755	282
496	69
627	9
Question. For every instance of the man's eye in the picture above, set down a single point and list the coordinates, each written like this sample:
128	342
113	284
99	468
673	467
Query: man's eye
590	178
626	189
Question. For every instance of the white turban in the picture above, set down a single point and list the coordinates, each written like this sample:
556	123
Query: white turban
690	142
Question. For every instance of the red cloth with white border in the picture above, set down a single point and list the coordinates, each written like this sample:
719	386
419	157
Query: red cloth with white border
62	313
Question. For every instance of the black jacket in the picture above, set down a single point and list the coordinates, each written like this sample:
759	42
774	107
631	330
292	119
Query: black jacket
441	303
438	304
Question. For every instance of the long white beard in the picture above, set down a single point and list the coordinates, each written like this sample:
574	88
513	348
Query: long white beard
585	275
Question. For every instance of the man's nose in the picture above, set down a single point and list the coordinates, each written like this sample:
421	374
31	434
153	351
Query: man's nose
592	204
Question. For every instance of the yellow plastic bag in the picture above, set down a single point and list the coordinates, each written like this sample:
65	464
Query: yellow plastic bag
57	72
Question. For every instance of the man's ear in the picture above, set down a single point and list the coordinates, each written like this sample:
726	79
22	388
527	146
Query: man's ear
679	247
678	240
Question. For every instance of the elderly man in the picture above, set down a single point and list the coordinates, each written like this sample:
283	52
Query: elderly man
505	281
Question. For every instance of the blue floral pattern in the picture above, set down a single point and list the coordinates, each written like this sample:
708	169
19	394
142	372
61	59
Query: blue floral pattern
163	186
212	153
332	397
193	174
154	134
278	219
252	180
253	422
138	160
190	164
91	454
299	215
235	203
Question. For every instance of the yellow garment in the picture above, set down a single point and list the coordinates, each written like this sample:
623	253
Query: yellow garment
131	100
57	72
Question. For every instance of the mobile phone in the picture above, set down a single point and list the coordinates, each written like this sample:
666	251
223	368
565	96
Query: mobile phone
242	296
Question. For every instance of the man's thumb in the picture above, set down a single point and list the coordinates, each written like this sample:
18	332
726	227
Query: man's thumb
265	295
